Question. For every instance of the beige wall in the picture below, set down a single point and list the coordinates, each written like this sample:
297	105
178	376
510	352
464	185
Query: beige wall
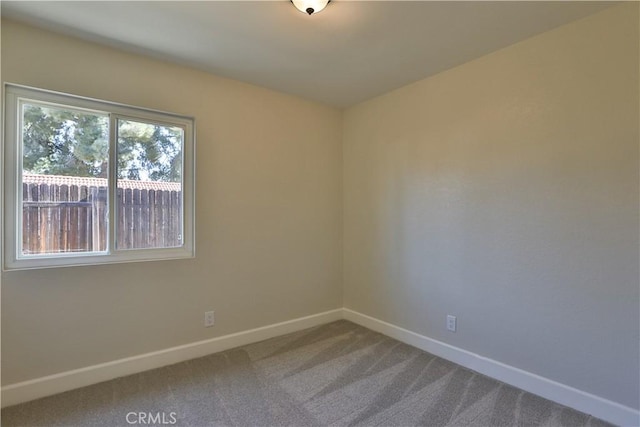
268	217
505	192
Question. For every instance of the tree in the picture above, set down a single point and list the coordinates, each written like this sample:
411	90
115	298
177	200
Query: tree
60	141
149	151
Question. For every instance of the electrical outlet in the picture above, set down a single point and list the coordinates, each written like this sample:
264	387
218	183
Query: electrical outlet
209	319
451	323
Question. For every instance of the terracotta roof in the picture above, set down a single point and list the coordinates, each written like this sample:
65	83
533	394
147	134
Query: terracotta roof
30	178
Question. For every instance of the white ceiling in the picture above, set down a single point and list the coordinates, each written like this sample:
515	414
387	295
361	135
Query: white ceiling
351	51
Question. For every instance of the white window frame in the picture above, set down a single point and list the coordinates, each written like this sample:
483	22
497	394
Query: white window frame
11	199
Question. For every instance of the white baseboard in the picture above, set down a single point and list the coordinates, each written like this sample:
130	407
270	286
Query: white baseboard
58	383
585	402
597	406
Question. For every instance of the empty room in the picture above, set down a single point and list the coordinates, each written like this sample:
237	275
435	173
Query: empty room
320	213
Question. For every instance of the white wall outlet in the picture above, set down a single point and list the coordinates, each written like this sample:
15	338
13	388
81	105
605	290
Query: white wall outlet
451	323
209	319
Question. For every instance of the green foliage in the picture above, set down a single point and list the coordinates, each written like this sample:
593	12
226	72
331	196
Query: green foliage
147	151
63	142
58	141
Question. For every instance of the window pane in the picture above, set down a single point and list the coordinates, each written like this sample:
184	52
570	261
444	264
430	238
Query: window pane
65	156
149	186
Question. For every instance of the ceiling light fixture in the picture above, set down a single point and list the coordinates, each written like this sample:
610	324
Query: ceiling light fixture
310	6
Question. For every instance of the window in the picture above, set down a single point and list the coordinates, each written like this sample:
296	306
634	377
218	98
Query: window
89	181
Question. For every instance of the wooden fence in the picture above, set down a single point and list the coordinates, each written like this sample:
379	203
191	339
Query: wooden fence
73	218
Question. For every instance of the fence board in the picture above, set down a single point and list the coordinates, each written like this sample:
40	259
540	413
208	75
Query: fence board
72	218
65	218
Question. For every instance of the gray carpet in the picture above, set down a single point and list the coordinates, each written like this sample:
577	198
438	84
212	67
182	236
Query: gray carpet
338	374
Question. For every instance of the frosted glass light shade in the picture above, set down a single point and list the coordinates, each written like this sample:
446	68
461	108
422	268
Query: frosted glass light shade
310	6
